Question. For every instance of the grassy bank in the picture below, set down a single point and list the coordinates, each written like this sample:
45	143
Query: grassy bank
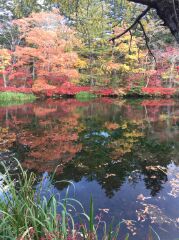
26	213
8	98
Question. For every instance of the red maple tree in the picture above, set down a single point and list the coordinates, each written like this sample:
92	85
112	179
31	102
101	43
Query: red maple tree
45	57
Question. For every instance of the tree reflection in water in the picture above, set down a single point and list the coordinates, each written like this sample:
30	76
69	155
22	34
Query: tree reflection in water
107	141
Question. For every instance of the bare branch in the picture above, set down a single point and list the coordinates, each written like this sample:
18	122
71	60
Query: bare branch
147	41
133	25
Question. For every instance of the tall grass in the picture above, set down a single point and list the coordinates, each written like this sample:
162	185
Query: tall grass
26	213
7	98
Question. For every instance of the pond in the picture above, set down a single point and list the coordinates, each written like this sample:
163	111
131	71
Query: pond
125	153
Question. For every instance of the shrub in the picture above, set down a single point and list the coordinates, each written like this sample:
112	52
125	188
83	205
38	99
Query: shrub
158	91
13	98
84	96
135	91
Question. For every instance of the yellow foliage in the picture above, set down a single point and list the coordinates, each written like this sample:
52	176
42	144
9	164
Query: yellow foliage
5	59
81	64
126	142
121	147
138	70
124	68
165	75
124	126
123	48
131	57
163	117
133	134
137	122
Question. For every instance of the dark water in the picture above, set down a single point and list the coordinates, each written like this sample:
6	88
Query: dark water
123	153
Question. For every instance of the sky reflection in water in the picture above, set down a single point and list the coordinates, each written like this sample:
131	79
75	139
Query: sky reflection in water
124	153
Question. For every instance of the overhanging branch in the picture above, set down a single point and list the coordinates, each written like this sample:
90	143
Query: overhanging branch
167	10
136	22
150	3
133	25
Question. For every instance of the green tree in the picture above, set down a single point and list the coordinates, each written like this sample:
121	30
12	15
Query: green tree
91	18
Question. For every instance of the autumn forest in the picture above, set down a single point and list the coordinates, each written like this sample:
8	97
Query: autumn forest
54	49
89	119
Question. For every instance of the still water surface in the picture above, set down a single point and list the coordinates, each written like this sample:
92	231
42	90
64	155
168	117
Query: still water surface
124	153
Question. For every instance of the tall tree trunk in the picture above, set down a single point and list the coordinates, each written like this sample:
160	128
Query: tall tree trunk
5	80
168	11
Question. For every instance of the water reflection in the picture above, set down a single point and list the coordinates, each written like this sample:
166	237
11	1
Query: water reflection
120	151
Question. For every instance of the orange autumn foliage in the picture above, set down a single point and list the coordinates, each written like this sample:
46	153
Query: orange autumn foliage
55	146
46	51
54	143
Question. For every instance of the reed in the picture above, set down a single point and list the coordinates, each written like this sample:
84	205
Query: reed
26	213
